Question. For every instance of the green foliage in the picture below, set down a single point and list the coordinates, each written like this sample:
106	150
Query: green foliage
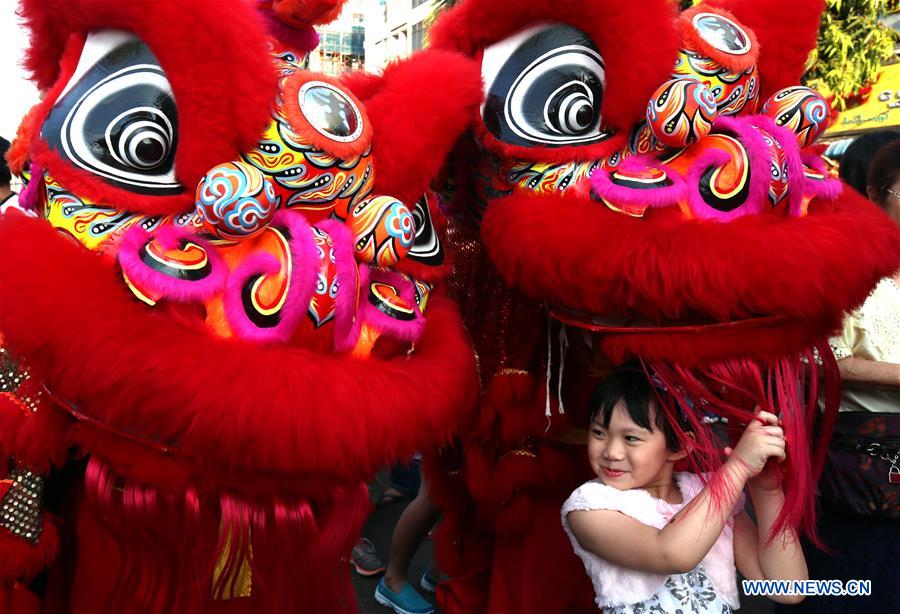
439	7
852	46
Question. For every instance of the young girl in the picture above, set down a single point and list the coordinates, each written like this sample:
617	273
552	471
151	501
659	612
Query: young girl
655	541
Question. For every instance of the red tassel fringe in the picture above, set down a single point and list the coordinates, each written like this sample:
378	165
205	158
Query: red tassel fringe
170	546
789	388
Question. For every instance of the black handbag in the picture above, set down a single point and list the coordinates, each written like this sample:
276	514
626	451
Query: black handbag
862	468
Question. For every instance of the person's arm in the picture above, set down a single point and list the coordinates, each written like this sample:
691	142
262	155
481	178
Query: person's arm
754	555
676	548
782	559
682	543
864	371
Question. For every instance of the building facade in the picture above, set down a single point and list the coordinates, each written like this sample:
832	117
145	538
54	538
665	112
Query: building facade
342	44
395	29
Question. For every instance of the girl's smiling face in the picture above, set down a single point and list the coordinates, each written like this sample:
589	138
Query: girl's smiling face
625	455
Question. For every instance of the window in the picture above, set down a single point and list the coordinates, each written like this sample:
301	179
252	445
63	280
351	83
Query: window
418	36
358	40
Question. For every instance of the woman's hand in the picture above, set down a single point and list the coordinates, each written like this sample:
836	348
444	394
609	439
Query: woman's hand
762	440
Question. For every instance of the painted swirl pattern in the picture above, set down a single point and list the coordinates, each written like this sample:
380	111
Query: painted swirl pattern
681	112
235	201
801	110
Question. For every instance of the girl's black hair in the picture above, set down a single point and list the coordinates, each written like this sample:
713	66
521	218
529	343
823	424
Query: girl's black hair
629	383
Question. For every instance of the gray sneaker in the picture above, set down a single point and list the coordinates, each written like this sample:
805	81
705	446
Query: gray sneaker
365	560
428	581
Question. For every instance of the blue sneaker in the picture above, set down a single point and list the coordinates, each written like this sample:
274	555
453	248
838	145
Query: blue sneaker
407	601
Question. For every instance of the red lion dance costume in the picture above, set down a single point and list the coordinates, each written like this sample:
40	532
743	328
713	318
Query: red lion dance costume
215	329
638	183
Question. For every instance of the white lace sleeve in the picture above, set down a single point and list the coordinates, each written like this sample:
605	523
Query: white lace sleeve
577	501
595	495
842	345
613	585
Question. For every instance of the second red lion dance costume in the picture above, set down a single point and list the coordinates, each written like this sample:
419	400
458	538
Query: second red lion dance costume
638	182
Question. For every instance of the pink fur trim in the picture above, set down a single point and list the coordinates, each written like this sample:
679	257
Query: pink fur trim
181	290
303	39
353	280
402	330
304	270
30	196
602	185
828	188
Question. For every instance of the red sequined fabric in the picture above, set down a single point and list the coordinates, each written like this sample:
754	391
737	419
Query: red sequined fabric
506	327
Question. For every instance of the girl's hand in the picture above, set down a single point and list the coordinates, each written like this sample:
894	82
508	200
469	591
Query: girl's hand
762	439
768	479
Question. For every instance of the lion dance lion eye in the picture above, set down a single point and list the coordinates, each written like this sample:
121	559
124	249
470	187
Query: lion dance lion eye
117	116
545	88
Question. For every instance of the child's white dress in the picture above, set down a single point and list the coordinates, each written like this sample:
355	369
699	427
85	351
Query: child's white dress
711	587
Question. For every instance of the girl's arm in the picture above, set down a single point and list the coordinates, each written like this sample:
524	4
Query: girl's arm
676	548
682	543
782	559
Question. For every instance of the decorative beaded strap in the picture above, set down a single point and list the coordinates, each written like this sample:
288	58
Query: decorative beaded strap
20	509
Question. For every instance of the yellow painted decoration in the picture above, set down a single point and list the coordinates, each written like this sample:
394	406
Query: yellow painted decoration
239	581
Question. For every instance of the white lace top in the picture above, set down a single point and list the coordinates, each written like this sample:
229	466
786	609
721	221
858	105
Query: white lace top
872	332
710	587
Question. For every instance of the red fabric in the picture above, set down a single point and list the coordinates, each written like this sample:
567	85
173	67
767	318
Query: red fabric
23	560
18	599
537	571
38	440
698	347
302	12
222	79
580	254
416	123
168	565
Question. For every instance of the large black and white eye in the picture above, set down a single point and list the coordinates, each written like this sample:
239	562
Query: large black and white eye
140	138
545	88
117	116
